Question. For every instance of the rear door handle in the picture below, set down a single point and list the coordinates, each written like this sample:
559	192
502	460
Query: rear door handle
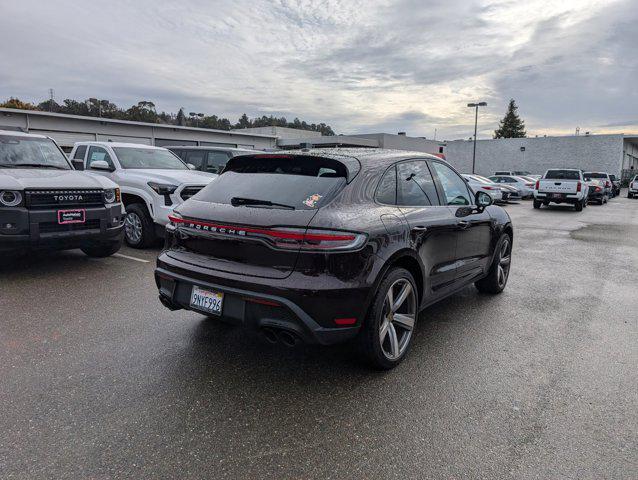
463	224
419	229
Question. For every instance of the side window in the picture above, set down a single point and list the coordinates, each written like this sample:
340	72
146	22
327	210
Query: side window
216	161
387	188
196	157
79	152
98	153
454	188
415	186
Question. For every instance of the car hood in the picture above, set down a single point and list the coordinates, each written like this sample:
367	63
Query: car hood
174	177
32	178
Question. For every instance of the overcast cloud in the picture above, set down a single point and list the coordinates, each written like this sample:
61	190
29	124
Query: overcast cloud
361	66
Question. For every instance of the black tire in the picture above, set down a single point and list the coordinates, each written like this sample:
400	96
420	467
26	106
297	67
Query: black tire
137	216
537	204
578	206
102	250
496	279
630	195
374	343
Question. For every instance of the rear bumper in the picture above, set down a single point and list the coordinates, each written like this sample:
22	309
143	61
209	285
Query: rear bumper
33	229
568	198
297	304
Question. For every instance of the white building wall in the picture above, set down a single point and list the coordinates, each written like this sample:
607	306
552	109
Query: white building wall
588	152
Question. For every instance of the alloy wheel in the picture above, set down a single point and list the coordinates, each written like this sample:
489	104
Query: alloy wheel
133	228
504	262
399	316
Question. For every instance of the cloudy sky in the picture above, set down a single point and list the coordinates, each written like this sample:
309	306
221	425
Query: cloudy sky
361	66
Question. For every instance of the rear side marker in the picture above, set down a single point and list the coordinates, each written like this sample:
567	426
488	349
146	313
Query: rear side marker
345	321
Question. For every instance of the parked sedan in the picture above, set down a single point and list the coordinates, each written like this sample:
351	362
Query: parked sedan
477	183
600	186
633	187
525	186
321	247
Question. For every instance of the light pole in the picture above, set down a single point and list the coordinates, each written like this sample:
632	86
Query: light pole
475	105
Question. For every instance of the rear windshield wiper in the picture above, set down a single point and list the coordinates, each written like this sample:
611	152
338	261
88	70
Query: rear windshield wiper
237	201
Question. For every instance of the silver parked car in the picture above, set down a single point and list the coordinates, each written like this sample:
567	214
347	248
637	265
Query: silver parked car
476	183
524	185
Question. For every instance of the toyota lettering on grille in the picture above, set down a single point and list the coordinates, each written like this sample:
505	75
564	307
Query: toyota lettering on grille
68	198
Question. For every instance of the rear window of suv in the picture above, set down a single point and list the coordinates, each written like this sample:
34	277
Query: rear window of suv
562	175
302	183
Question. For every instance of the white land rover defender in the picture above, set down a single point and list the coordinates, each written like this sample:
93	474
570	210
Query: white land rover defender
46	204
153	182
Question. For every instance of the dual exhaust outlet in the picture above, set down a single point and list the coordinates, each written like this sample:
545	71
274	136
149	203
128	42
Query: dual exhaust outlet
276	335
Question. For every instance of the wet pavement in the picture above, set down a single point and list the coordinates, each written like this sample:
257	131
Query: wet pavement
99	381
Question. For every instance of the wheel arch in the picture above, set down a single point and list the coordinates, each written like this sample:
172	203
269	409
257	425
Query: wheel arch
408	260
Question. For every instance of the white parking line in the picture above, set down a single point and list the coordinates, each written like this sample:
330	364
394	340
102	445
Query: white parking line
131	258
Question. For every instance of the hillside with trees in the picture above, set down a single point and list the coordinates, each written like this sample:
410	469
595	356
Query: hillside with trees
145	111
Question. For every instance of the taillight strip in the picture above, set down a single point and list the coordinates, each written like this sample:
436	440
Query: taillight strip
268	232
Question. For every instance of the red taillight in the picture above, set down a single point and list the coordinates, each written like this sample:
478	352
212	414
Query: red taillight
607	184
578	187
538	184
261	301
598	189
345	321
281	237
489	188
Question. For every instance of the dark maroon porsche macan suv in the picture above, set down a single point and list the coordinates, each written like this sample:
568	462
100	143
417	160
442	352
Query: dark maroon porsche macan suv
323	246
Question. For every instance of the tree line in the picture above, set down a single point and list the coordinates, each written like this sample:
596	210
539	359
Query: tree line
145	111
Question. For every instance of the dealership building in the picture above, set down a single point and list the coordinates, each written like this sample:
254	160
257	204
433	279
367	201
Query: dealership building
68	129
616	154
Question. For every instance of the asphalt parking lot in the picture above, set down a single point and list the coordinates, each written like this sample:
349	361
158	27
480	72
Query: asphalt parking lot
99	381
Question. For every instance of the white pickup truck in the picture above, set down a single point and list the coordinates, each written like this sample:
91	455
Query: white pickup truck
153	181
562	185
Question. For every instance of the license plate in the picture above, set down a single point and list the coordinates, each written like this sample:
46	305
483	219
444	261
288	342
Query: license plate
206	300
557	195
71	216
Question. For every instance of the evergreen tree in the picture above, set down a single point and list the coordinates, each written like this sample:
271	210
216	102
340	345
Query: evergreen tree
511	126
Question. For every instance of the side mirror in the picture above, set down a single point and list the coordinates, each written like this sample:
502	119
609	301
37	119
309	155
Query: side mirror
482	200
191	166
78	164
101	165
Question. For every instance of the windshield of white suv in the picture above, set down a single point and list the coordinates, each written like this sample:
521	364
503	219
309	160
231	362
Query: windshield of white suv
151	158
31	152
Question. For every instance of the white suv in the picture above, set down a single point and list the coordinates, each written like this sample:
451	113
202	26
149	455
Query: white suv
633	187
153	181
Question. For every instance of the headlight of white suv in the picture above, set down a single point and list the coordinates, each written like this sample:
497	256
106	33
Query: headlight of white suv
10	198
112	195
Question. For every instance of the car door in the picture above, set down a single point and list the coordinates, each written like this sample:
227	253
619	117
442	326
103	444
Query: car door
433	229
96	153
474	230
